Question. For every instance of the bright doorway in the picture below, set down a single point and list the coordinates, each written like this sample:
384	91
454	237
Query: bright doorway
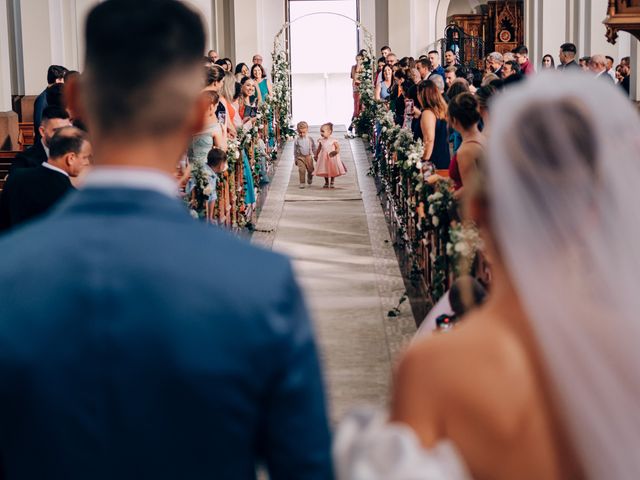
323	49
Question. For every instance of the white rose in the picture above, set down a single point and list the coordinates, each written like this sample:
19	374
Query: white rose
435	221
208	190
237	155
194	214
432	210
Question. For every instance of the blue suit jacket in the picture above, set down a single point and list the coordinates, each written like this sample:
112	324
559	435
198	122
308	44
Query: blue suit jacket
138	343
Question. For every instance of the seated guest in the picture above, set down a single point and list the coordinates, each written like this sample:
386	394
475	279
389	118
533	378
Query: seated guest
53	118
55	74
31	192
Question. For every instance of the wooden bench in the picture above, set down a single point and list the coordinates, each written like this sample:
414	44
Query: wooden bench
26	137
6	159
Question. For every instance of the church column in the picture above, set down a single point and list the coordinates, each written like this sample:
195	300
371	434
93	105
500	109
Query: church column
8	118
413	25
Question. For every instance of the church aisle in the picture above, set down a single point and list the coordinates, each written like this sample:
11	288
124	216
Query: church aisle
348	270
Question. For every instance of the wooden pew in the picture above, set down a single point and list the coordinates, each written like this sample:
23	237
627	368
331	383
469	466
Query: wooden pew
6	159
26	136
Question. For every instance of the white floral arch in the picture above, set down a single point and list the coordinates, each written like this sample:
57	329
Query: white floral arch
281	72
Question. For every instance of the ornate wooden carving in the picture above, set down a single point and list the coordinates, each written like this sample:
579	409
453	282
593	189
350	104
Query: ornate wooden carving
506	24
622	15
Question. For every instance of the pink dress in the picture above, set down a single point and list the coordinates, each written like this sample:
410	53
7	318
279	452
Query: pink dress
327	166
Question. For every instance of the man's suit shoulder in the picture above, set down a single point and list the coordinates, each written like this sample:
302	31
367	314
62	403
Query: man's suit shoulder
31	157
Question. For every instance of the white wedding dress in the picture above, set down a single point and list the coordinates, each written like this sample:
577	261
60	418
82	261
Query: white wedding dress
563	175
367	447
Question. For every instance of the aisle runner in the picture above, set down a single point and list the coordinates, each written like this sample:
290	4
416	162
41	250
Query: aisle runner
350	276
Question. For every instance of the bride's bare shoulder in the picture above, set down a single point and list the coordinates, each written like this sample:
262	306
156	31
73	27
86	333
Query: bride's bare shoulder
478	368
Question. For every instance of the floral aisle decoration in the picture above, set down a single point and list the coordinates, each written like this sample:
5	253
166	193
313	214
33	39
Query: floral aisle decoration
463	246
364	123
425	213
280	100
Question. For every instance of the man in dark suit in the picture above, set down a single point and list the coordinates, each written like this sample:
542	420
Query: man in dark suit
55	75
158	346
30	192
568	52
53	119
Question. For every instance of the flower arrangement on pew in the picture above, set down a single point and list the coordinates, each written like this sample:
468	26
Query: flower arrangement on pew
365	122
425	215
278	102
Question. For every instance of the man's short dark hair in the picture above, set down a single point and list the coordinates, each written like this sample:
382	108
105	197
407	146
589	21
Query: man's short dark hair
568	48
216	157
521	50
386	47
127	89
425	62
433	51
66	140
52	112
515	66
55	72
55	95
610	59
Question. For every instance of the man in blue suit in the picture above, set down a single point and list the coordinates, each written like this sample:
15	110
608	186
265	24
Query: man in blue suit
135	342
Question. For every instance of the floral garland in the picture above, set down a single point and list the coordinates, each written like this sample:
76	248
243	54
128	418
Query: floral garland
428	211
279	101
369	107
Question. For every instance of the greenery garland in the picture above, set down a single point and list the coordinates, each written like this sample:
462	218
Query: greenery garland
426	214
280	99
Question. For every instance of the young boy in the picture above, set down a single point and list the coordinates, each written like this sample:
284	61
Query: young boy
303	150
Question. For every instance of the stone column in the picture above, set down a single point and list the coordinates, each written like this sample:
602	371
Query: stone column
8	118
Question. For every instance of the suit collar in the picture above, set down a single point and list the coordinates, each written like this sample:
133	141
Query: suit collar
120	201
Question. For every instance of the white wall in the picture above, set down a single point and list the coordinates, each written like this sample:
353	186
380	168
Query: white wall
5	62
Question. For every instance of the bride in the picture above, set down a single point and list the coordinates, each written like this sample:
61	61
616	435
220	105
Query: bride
542	382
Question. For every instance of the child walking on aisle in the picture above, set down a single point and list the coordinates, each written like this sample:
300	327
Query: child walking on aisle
303	151
329	164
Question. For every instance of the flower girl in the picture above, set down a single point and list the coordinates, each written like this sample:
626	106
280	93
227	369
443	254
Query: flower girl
329	165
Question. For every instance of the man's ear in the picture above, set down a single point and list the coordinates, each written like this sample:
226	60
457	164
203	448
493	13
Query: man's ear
73	97
41	130
69	159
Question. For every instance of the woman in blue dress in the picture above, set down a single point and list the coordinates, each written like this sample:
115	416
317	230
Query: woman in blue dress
263	84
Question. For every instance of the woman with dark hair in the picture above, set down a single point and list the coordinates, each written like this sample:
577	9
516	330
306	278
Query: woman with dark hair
464	118
222	63
383	89
398	95
242	70
483	97
430	124
263	84
229	64
548	63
